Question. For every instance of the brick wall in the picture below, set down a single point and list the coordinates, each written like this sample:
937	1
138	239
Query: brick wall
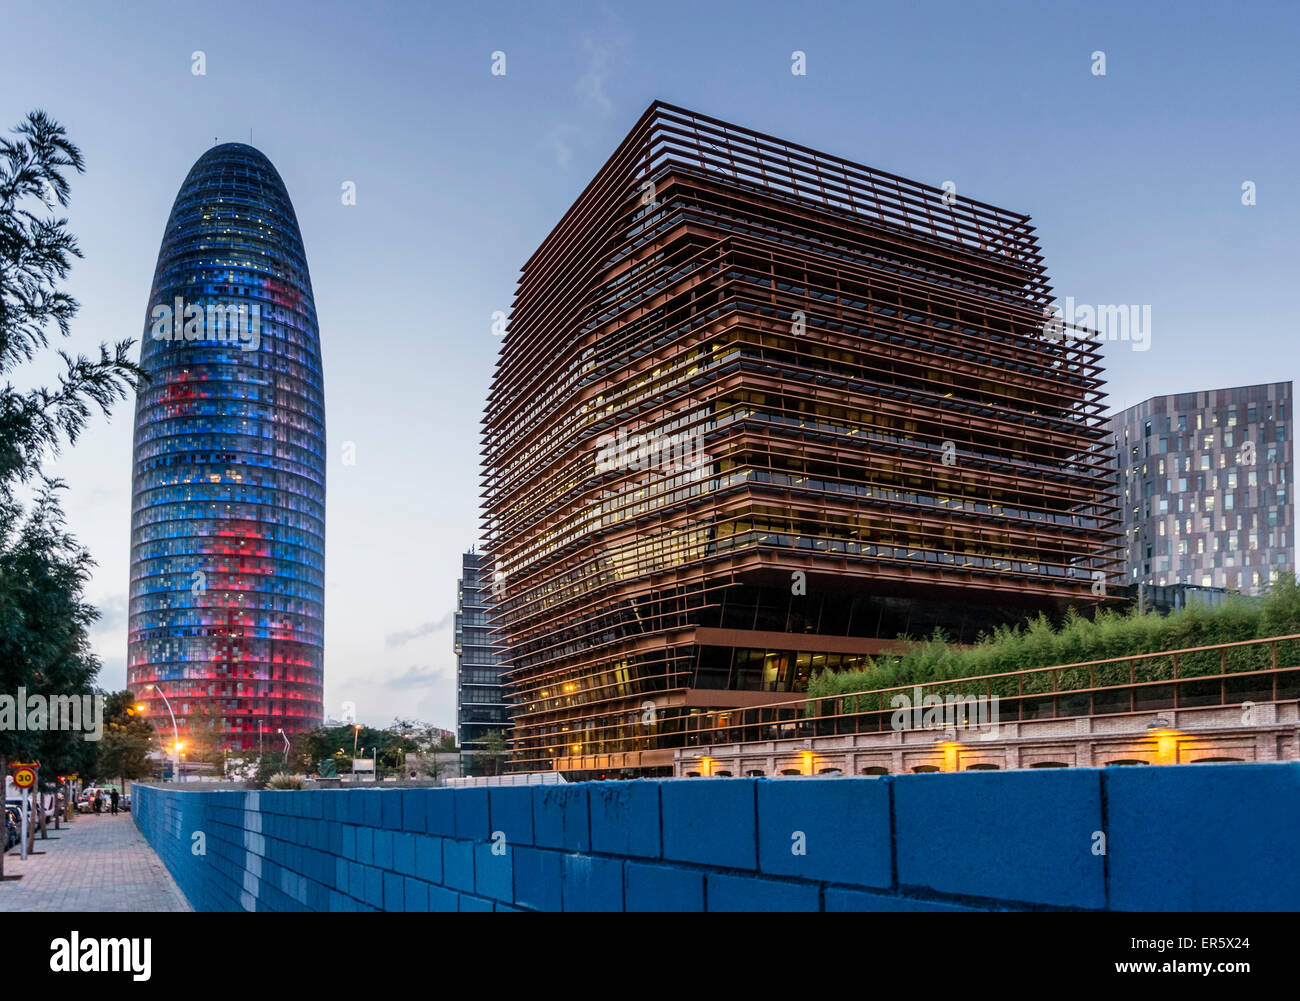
1190	837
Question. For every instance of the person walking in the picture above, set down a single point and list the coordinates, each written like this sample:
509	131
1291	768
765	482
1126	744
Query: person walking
113	796
99	802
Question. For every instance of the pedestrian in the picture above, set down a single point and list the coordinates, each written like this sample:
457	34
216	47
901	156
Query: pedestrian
99	802
113	796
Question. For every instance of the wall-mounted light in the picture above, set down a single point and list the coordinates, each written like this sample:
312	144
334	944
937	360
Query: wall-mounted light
1166	738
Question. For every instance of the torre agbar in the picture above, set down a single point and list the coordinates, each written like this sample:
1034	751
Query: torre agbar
228	495
759	413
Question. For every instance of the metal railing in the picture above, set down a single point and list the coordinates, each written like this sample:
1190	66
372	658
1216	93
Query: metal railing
1220	675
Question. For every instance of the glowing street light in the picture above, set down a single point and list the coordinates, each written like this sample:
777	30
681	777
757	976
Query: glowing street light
176	733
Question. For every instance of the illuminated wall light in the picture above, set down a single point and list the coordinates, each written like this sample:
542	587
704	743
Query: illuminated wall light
1166	739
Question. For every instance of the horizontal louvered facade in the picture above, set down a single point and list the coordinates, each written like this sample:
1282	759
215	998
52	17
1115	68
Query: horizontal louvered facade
760	411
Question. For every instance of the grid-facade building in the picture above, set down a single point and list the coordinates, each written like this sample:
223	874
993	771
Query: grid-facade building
480	700
228	488
758	412
1206	487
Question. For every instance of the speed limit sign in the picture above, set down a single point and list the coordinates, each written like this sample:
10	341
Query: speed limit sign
24	775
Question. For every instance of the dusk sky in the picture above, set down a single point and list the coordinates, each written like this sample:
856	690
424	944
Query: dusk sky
1133	178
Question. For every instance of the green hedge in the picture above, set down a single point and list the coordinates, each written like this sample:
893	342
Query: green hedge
1117	635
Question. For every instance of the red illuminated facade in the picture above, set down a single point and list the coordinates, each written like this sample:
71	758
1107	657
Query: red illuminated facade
228	498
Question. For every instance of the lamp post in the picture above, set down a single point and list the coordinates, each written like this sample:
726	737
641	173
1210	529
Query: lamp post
356	731
176	734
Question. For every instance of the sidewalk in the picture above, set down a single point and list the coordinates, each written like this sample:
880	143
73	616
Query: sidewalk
99	863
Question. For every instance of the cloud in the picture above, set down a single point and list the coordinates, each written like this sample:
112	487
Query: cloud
402	638
555	140
112	614
600	58
417	677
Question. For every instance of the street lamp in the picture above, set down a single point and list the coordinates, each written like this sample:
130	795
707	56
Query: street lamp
176	734
356	730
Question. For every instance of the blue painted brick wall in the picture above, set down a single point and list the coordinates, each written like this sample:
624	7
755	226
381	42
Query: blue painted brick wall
538	876
458	864
1164	827
663	888
1185	837
803	827
510	811
711	823
494	872
561	818
729	892
1018	835
625	818
592	883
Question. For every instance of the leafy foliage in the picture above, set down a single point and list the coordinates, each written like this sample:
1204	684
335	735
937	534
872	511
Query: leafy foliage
283	780
128	738
36	249
489	760
1109	636
206	740
44	638
400	738
44	620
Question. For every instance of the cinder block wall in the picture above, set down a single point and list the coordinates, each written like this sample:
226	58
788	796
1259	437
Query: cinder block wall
1184	837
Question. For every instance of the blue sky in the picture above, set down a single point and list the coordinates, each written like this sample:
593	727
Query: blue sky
1133	179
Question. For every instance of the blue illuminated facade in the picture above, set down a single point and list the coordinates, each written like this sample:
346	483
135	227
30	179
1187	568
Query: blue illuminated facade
228	491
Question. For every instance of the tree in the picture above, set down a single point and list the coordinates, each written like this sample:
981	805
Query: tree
206	738
128	738
44	638
435	764
35	252
328	742
490	759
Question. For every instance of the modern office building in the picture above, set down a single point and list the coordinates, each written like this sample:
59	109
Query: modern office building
480	696
759	411
1206	487
228	488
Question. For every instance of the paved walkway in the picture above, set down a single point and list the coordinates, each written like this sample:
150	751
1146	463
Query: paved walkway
98	863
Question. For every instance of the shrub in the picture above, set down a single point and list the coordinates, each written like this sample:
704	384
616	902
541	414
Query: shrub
1110	636
283	780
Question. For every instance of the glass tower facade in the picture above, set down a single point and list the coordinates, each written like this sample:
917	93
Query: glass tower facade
1206	481
480	706
228	489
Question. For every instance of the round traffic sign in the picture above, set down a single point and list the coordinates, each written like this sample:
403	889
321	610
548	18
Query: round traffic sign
24	778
